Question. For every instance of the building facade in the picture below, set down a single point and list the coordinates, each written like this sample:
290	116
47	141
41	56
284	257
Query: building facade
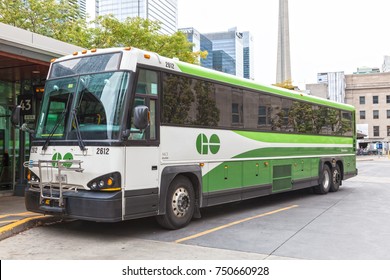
231	43
223	62
24	63
330	85
201	43
230	52
386	64
370	94
82	4
163	11
249	68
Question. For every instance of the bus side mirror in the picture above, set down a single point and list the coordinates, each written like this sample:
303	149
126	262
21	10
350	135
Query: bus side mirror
141	117
16	116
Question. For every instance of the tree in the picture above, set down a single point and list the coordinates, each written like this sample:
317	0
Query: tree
141	33
60	20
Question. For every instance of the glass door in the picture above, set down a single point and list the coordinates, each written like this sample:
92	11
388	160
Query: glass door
7	149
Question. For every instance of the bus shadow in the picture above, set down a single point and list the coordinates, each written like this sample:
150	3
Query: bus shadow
148	228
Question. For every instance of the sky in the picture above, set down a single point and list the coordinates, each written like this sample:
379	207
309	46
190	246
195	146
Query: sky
325	36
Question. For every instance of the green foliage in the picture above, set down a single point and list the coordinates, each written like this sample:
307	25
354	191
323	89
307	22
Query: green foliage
141	33
57	19
61	20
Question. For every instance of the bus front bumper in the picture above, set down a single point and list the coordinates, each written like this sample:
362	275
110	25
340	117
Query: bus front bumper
83	205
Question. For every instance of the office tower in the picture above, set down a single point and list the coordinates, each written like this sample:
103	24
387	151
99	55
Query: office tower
283	70
248	56
201	43
164	11
228	43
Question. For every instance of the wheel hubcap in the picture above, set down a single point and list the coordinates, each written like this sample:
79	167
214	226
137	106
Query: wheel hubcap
336	177
180	202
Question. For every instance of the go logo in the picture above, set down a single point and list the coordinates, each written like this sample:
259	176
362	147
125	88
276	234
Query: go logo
205	145
58	156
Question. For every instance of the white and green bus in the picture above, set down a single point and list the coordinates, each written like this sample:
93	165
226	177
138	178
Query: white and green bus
125	133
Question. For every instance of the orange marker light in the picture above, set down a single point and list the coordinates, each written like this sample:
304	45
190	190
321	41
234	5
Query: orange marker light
93	50
75	53
110	181
147	56
84	51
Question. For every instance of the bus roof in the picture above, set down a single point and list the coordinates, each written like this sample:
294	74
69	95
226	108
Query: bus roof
153	59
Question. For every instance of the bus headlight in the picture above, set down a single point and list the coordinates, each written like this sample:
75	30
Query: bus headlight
32	177
108	182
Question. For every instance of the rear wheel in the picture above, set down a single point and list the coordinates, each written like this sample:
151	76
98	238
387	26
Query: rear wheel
180	204
325	181
336	179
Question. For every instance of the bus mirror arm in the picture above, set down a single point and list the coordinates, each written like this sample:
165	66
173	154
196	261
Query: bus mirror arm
16	120
126	133
25	128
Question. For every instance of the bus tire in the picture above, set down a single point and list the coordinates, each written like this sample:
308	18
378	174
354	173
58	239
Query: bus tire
325	181
180	204
336	179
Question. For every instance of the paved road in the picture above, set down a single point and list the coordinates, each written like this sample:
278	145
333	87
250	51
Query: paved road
350	224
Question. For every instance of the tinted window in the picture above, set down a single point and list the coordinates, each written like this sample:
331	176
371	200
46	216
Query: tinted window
193	102
84	65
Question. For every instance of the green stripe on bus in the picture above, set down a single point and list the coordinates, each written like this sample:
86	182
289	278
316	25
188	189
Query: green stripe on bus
294	152
293	138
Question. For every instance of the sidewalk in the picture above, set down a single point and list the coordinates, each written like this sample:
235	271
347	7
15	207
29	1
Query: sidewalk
14	218
373	158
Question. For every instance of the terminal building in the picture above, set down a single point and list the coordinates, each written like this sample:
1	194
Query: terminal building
24	63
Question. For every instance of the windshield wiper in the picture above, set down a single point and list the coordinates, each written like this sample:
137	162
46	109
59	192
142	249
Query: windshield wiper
44	147
78	133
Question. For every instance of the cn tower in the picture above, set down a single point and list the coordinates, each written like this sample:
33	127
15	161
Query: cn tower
283	70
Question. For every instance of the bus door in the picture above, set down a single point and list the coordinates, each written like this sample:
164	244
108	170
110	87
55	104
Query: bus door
142	150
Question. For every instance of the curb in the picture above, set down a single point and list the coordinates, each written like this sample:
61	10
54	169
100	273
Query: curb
24	224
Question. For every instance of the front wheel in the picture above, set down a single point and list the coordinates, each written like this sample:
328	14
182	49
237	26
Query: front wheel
180	204
325	181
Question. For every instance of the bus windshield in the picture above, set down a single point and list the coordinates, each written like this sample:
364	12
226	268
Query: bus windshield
91	103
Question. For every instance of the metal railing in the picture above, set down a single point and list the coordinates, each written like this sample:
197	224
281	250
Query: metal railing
53	180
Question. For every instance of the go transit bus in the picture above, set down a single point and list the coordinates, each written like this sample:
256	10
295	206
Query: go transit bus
126	133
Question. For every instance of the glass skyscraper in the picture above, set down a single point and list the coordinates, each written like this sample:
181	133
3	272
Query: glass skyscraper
206	45
248	56
231	43
230	52
224	62
201	43
163	11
